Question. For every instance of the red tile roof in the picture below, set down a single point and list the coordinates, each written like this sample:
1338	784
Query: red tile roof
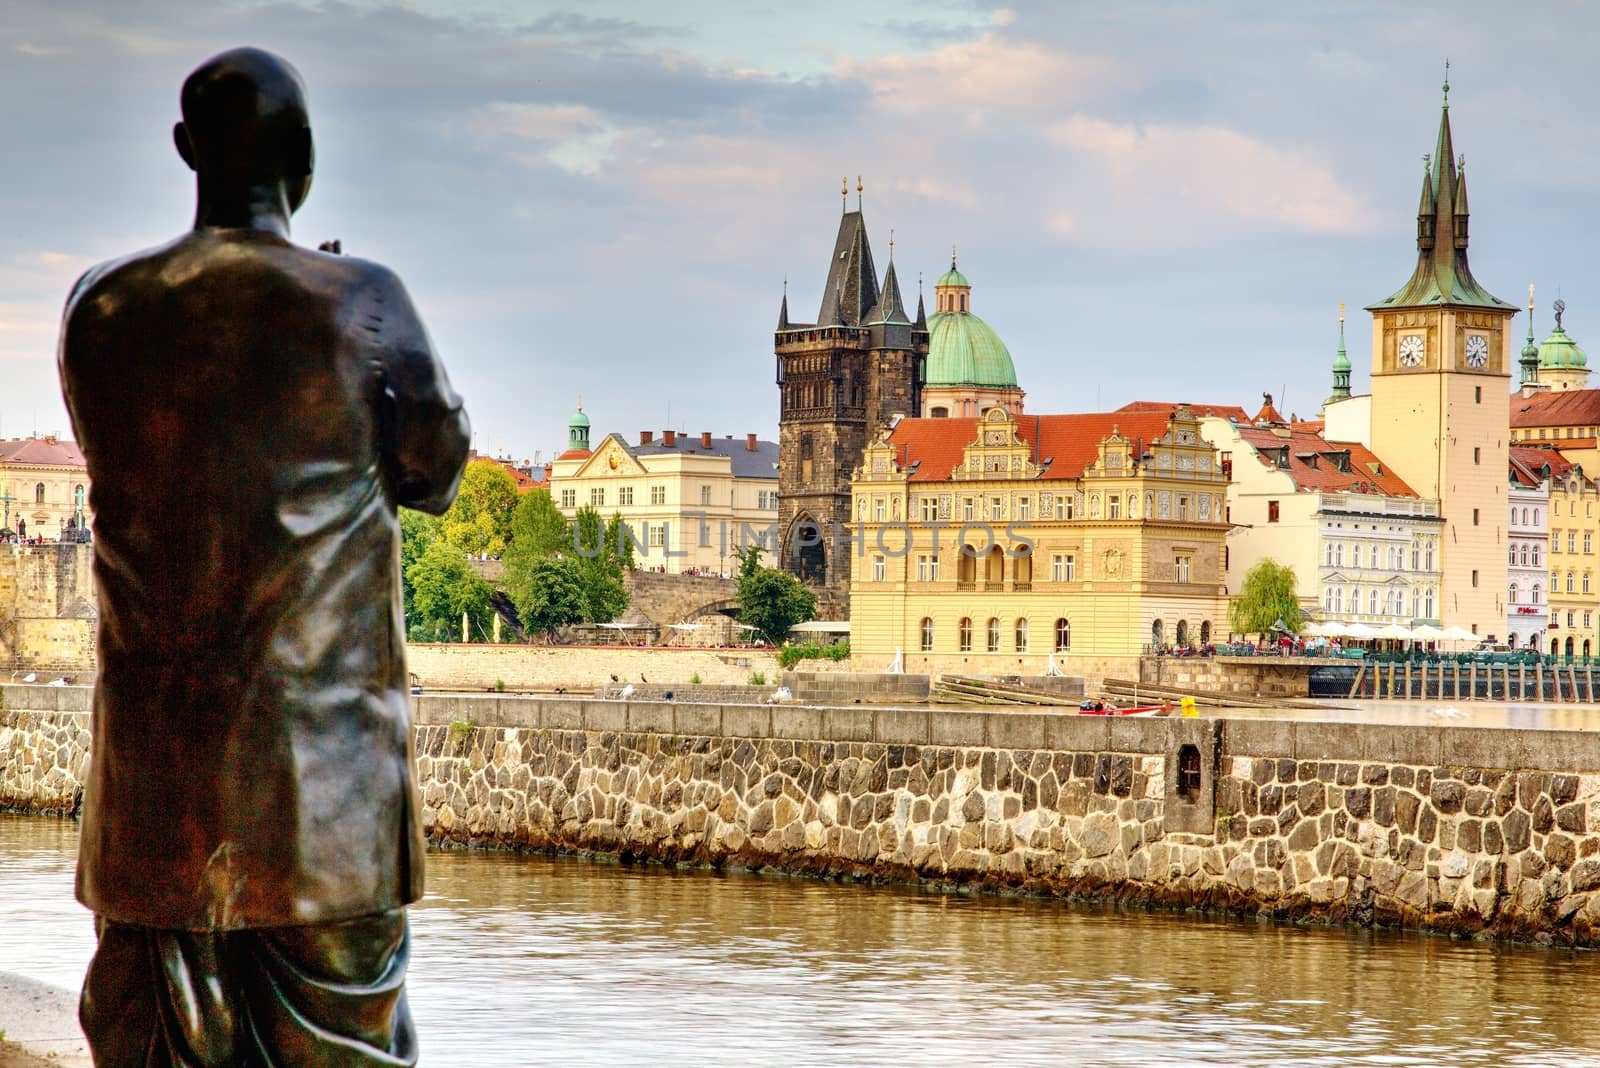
51	452
1201	411
1070	441
1567	407
1367	473
1528	462
575	454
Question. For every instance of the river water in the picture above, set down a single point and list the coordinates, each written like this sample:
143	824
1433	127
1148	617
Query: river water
533	960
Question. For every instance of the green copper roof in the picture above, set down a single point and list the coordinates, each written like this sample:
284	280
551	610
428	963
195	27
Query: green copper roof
964	351
1442	276
1341	361
578	419
952	277
1558	351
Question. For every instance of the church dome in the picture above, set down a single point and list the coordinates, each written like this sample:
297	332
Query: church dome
952	277
963	350
578	420
1559	351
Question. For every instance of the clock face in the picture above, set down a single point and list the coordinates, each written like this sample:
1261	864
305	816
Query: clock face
1477	350
1411	349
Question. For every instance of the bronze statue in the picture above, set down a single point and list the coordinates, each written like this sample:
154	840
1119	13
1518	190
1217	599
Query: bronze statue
252	413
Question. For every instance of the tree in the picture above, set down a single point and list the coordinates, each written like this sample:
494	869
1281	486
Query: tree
619	535
552	597
444	586
770	600
599	569
1266	597
538	530
479	521
418	530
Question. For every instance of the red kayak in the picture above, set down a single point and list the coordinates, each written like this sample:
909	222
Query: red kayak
1102	708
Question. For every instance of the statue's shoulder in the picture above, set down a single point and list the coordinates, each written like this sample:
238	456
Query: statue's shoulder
115	277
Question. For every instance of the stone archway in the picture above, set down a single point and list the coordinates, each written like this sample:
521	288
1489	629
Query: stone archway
805	550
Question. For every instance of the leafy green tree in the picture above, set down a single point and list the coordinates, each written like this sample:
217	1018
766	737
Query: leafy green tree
538	530
619	535
552	597
444	586
770	600
479	521
599	569
417	531
1266	597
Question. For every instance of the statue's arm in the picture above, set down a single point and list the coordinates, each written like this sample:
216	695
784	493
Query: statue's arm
424	426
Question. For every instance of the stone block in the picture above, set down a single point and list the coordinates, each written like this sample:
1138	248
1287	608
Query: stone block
608	716
1327	741
1069	733
797	721
654	717
1258	738
900	726
1139	735
697	720
747	721
956	728
1482	747
1560	750
1016	730
1394	743
561	715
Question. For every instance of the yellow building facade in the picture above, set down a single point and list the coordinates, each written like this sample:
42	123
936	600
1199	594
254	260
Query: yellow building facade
1574	578
44	487
1001	545
1441	359
689	501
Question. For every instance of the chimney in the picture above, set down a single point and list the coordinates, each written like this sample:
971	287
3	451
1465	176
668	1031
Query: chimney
669	438
750	442
646	436
705	439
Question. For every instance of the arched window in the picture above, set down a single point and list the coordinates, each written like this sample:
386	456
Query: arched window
996	572
927	634
1427	604
1022	569
1063	636
994	635
1585	582
1555	646
1372	601
1513	593
1537	590
1427	555
1569	648
1570	582
1205	632
38	494
967	566
1021	634
1156	633
1536	554
1183	633
964	633
1524	554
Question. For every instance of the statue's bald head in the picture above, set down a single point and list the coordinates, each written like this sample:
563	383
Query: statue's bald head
245	122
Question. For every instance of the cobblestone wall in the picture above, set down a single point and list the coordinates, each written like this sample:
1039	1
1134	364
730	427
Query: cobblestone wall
1466	830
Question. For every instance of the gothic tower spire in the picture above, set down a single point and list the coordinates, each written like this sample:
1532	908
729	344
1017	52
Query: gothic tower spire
1530	350
1341	366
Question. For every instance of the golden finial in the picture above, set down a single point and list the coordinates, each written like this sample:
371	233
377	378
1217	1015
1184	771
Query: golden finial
859	187
952	257
891	243
1530	298
1341	312
844	193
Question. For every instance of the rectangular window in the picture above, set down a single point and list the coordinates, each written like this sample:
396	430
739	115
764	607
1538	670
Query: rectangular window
705	534
1114	507
1587	616
927	569
1065	506
1024	508
597	497
569	498
625	495
658	495
1588	541
1572	541
656	534
1555	541
966	508
930	510
1272	511
705	494
879	569
996	509
1180	568
1063	567
879	509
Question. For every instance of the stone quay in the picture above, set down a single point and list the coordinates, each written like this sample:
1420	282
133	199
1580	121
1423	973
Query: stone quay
1488	832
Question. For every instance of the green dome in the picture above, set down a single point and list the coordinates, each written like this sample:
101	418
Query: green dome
952	277
1341	361
964	351
578	419
1559	351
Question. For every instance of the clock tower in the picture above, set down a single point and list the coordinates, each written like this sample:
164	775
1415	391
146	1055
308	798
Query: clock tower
1441	368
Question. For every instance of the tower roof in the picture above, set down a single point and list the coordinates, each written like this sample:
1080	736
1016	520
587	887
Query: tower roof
1442	276
952	277
852	286
889	309
963	350
1558	351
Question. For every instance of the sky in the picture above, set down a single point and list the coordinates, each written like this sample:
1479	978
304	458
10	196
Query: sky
602	200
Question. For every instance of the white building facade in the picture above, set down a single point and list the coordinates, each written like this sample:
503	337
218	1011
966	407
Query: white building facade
1527	538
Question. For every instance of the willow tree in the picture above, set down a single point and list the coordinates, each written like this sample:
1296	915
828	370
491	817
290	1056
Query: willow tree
1266	599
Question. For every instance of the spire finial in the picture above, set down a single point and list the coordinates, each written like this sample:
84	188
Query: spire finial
844	194
859	187
1530	300
952	257
1447	84
891	244
1560	306
1427	163
1341	319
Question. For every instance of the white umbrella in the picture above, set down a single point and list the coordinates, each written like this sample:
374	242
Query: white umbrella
1321	630
1396	630
1361	630
1427	633
1457	634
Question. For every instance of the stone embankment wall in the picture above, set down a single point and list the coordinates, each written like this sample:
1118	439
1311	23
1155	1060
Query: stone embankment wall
47	608
1467	830
580	670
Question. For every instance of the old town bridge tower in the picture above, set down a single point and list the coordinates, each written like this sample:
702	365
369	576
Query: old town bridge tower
841	380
